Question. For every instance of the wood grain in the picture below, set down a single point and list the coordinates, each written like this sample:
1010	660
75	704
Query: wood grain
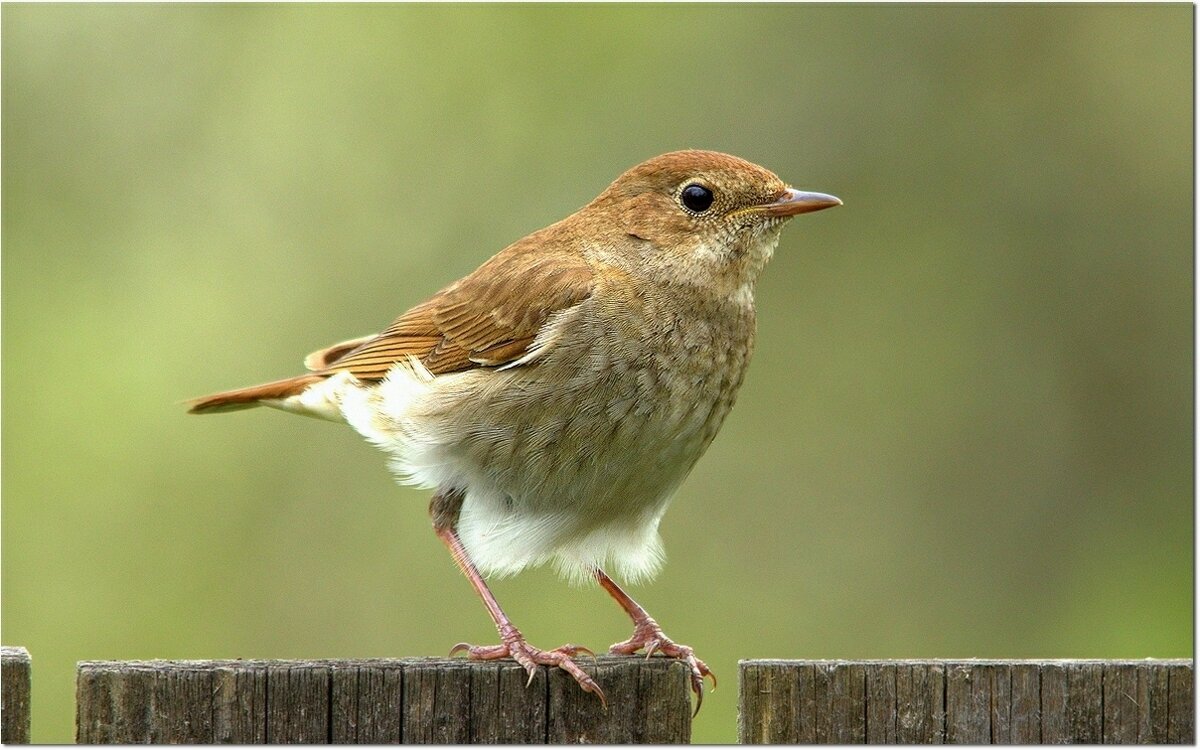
966	702
15	674
379	701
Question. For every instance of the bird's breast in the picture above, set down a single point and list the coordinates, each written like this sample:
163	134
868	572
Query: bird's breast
647	384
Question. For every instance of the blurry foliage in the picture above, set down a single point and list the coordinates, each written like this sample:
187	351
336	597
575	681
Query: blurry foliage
968	428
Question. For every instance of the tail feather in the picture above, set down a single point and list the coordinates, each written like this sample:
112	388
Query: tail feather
246	398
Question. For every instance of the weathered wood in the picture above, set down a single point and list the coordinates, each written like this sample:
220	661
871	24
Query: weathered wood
1124	703
183	703
437	703
239	703
968	697
966	702
366	705
841	703
1085	723
649	702
766	686
506	709
882	701
379	701
1181	707
1025	706
15	669
297	703
1055	730
920	703
1159	695
1000	698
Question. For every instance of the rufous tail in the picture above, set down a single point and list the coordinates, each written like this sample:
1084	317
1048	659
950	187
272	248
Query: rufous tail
245	398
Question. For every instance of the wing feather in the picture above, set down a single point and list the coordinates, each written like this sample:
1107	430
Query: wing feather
487	319
321	358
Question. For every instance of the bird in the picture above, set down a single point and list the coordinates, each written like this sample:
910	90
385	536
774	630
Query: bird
556	397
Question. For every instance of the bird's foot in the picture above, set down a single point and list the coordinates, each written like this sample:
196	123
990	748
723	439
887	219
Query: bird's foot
649	636
529	657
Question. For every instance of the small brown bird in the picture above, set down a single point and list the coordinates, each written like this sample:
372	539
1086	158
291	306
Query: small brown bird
556	397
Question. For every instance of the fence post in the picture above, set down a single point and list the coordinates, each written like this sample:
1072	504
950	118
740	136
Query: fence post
379	701
14	713
966	702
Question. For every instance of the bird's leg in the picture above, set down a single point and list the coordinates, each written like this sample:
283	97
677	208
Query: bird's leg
649	635
512	642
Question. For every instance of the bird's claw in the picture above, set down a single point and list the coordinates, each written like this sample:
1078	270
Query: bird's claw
651	638
573	650
530	658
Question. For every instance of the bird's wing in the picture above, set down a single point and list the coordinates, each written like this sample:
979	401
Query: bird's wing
322	358
487	319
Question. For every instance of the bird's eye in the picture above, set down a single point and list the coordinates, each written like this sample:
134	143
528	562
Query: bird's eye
696	197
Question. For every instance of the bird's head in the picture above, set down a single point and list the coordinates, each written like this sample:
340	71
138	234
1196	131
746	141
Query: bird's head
700	217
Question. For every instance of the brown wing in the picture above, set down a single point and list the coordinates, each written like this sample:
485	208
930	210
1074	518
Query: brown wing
322	358
486	319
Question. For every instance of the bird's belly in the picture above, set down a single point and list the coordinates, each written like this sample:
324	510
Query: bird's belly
585	474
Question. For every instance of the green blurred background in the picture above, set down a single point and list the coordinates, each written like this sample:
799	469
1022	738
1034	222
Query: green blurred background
968	430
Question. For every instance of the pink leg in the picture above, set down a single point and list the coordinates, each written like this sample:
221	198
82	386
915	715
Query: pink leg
648	635
513	643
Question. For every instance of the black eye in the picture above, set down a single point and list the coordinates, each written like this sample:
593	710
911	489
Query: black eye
697	198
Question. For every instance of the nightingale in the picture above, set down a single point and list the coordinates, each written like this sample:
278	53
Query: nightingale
556	397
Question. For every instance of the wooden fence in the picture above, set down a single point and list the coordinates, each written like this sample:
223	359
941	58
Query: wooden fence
649	701
414	701
14	695
966	702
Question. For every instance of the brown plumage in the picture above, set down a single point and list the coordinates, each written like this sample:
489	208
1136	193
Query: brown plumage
487	319
246	398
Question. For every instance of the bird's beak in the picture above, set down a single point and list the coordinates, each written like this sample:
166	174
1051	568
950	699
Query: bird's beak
794	202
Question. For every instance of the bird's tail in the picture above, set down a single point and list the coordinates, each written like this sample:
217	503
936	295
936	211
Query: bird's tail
245	398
